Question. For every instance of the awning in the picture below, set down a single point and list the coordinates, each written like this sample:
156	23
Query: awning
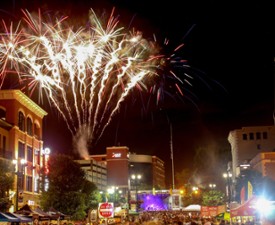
246	209
192	208
6	218
23	219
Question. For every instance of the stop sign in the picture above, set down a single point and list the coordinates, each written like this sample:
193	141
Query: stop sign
106	210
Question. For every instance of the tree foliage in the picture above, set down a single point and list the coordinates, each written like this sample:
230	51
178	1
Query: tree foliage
69	192
6	183
213	198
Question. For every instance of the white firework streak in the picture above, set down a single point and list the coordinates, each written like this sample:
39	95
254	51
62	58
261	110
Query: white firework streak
81	71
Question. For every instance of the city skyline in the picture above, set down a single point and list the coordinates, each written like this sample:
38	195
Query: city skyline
232	50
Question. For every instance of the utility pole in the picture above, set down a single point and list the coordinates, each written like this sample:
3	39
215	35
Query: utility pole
172	155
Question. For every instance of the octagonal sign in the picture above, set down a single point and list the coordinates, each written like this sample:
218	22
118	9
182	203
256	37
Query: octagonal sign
106	210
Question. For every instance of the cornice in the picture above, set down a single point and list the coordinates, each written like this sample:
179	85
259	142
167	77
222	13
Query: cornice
24	100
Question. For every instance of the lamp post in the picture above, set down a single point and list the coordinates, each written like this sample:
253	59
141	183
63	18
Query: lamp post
136	178
212	186
19	171
228	176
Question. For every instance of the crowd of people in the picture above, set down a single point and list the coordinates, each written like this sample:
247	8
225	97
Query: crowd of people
172	218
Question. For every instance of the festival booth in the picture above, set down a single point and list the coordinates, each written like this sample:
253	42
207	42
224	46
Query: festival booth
13	218
245	212
5	219
38	215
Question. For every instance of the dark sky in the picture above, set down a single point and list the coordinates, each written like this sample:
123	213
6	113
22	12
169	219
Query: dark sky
229	45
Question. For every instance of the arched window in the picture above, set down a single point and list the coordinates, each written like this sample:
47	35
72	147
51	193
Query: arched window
21	121
29	126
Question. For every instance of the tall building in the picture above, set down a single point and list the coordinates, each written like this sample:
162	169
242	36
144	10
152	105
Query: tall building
21	141
95	172
251	147
121	164
247	142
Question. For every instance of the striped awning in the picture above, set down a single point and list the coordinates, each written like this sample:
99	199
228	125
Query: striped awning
4	217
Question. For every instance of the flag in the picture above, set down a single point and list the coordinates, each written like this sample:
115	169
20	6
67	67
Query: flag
249	190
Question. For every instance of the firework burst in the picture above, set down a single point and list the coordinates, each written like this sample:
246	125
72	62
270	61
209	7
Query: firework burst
86	73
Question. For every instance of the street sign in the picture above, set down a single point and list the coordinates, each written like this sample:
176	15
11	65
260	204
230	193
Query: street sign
93	215
106	210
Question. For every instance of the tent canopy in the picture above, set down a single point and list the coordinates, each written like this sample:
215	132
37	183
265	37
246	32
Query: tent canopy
246	209
4	217
192	208
23	219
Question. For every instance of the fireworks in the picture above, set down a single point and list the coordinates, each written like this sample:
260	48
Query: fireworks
85	73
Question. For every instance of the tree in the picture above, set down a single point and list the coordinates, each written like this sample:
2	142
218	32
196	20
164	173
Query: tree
6	183
213	198
69	192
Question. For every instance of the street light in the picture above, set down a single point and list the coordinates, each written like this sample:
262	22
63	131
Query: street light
212	186
228	176
19	171
136	178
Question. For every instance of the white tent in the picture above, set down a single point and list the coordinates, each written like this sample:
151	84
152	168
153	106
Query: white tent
192	208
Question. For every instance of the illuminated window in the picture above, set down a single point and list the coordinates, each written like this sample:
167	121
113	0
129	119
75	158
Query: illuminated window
37	156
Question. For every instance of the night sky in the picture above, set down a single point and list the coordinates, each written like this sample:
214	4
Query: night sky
231	48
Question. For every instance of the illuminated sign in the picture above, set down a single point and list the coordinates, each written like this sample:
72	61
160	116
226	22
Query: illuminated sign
116	155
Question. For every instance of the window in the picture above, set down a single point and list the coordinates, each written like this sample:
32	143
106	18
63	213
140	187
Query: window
21	150
37	156
29	184
2	114
264	135
36	185
251	136
258	135
36	130
29	154
244	136
29	126
21	121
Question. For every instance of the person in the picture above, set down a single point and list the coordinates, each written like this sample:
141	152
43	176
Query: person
207	222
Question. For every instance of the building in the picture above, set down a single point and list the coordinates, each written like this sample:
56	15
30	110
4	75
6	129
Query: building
21	141
119	158
264	163
247	142
251	147
95	172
